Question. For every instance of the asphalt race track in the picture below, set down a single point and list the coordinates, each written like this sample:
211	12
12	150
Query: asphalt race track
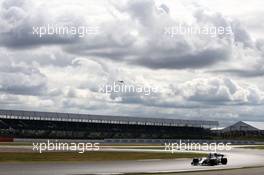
237	158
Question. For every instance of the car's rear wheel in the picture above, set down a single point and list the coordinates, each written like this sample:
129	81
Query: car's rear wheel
195	161
224	161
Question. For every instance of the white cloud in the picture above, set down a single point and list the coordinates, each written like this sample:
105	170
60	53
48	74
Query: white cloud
221	91
63	74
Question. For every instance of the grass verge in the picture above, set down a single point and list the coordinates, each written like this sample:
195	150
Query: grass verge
89	156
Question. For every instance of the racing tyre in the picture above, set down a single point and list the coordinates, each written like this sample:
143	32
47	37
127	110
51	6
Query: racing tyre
195	162
224	161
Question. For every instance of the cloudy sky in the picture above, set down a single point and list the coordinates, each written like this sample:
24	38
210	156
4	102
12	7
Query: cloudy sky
198	76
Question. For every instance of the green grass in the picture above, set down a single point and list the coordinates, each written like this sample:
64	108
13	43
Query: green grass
259	147
88	156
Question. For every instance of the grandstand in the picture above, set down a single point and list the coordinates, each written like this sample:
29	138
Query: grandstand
32	124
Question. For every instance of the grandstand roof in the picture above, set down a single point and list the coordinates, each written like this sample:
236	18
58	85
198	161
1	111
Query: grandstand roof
257	125
52	116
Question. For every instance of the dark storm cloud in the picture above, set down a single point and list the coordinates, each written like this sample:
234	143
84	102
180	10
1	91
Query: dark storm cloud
241	72
19	20
22	38
147	48
192	60
150	47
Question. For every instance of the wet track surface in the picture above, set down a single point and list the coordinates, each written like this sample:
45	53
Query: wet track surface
236	158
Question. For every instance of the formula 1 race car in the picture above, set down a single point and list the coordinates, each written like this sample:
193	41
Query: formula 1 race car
211	160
